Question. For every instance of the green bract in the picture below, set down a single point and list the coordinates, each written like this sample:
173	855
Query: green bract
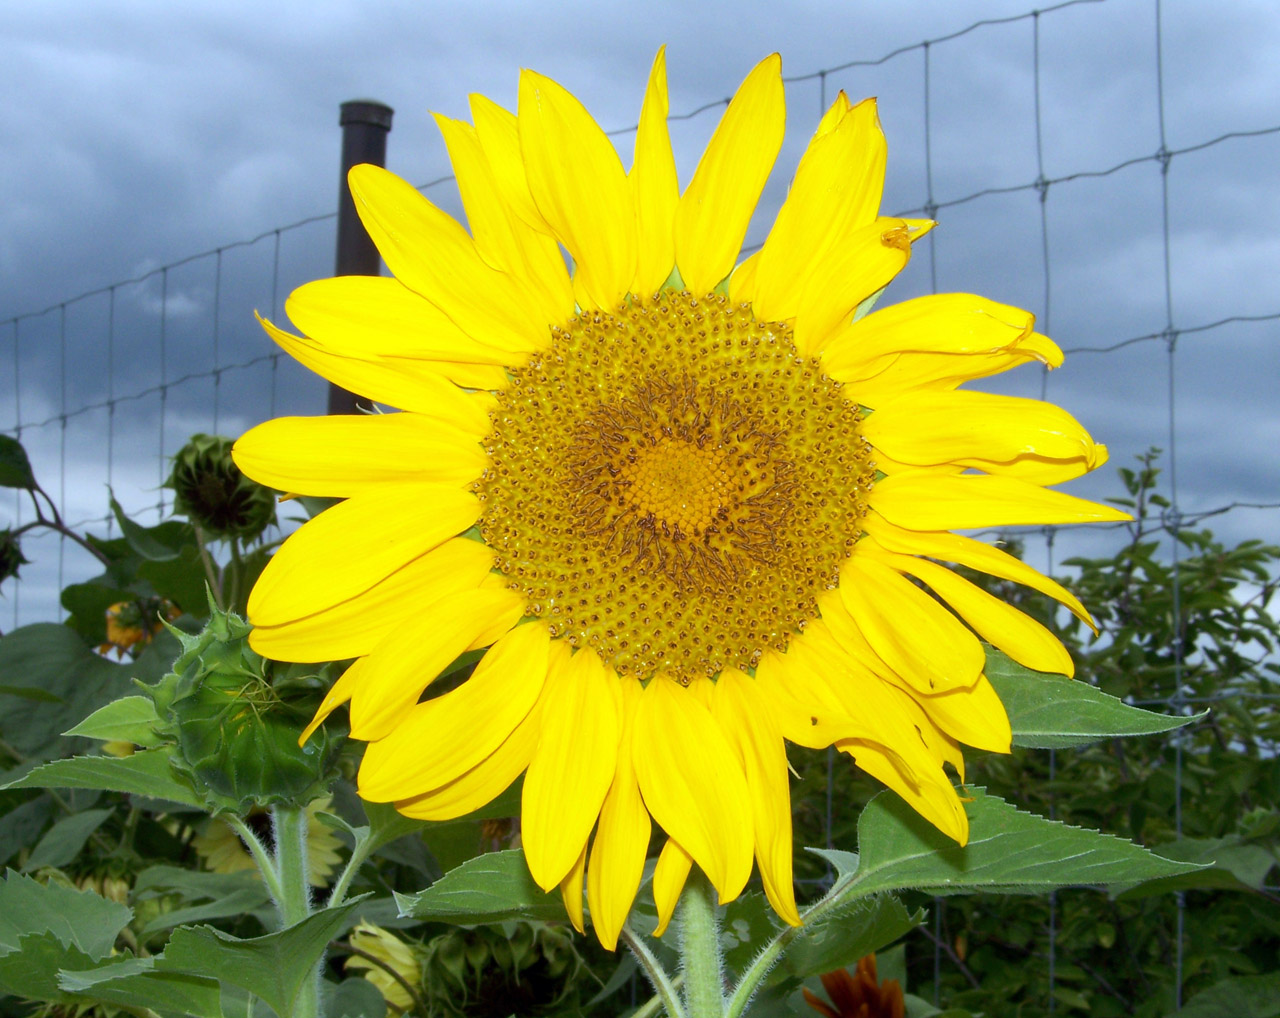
210	490
237	738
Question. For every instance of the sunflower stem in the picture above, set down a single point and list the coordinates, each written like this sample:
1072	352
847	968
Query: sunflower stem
289	825
664	986
700	954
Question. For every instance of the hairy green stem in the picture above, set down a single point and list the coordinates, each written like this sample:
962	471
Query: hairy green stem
664	986
266	865
700	954
359	853
289	824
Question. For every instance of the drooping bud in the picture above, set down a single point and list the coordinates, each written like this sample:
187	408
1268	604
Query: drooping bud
10	555
210	490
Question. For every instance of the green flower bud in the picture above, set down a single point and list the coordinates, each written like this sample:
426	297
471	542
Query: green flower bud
237	738
210	490
10	555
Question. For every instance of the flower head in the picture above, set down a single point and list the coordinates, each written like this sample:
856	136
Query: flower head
131	625
684	505
861	995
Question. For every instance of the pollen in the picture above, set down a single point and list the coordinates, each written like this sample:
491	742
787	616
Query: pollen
673	485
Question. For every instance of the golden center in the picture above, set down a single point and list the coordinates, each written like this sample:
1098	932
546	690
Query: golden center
673	485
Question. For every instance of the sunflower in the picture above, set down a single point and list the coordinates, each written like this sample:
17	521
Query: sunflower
684	505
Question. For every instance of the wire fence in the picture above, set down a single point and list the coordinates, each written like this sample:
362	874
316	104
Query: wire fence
177	349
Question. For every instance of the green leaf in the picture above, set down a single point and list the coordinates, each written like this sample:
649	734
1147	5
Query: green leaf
30	693
1054	712
491	888
87	605
357	998
55	659
19	827
15	468
64	839
75	918
1242	997
147	773
143	540
1231	866
273	967
135	983
1009	852
842	936
129	719
32	968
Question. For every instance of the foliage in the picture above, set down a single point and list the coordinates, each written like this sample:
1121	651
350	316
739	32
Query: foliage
114	767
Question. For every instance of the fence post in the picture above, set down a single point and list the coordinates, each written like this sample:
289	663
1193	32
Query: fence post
365	125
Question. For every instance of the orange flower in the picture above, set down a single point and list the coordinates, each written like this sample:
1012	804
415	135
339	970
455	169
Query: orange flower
861	995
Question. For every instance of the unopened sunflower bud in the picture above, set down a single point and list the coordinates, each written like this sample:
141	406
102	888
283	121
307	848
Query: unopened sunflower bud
10	555
210	490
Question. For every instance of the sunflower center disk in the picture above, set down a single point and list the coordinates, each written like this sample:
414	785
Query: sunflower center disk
673	485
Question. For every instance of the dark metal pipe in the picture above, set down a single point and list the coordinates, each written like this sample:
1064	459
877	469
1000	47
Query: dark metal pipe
365	125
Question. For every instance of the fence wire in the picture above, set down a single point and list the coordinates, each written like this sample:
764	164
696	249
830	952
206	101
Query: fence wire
182	395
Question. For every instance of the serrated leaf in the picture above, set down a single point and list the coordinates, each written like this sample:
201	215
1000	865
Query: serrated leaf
1054	712
75	918
63	841
129	719
1231	866
15	467
146	773
274	967
31	969
1009	852
135	983
491	888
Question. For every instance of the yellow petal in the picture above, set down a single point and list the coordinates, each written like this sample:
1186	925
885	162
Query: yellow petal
966	551
572	767
999	623
579	186
472	376
837	189
693	784
622	836
438	741
375	316
925	501
408	384
431	254
345	454
742	281
354	627
935	800
499	137
916	636
412	656
504	240
654	185
858	265
744	717
669	876
571	890
715	210
1024	438
484	782
974	716
351	546
338	694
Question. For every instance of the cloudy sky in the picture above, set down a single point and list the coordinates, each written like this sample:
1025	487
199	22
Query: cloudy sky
139	133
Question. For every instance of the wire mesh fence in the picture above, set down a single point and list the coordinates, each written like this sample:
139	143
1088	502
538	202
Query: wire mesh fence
105	385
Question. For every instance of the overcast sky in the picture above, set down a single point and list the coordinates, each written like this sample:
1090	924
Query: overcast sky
136	134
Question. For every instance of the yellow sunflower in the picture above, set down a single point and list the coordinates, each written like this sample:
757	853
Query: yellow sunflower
683	504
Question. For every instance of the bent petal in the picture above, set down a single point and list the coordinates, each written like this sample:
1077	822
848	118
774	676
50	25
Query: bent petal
693	783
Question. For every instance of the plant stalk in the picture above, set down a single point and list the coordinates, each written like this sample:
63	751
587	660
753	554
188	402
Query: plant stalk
700	953
289	824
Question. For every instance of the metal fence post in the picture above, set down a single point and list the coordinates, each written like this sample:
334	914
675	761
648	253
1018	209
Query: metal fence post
365	125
